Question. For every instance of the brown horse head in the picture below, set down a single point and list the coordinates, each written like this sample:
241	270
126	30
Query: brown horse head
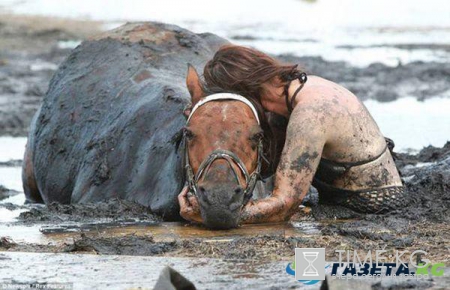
223	151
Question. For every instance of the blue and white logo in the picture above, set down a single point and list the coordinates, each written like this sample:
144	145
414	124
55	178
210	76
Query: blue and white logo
309	266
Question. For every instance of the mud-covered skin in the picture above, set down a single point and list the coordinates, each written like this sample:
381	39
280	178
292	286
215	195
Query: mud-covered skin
108	124
328	122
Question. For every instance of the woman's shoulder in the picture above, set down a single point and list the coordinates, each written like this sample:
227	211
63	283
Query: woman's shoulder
323	93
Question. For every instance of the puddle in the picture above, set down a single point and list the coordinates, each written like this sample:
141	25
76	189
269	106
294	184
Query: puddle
11	178
27	234
68	44
97	272
7	215
134	272
43	234
12	148
413	124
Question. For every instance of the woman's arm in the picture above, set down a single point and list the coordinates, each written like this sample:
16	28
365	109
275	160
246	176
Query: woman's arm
305	139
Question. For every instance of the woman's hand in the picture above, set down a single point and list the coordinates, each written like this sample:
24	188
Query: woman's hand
189	208
270	209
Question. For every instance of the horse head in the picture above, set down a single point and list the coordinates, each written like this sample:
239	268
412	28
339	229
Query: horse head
224	153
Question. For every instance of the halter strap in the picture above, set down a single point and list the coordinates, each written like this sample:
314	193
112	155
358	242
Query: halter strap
302	78
224	96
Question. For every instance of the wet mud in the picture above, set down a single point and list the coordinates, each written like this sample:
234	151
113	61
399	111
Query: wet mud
115	210
422	80
31	48
31	51
5	193
118	227
129	245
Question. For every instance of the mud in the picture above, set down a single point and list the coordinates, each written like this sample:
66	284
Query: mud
130	245
422	223
11	163
5	193
422	80
31	51
114	210
127	228
427	179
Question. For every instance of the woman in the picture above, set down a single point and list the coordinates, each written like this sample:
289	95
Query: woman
332	141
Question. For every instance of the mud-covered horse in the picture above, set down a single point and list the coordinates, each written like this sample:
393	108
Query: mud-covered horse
110	122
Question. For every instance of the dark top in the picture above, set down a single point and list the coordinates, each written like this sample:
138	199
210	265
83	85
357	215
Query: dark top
328	171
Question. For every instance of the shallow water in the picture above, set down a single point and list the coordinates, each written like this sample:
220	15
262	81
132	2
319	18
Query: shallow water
10	177
120	272
98	272
131	272
12	148
413	124
305	28
286	26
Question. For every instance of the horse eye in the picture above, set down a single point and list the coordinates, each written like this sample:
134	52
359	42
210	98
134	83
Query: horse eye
257	137
188	133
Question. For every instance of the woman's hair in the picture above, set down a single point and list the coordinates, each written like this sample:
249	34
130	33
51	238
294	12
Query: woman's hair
243	70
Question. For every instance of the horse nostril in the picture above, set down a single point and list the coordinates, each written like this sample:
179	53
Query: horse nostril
202	189
237	198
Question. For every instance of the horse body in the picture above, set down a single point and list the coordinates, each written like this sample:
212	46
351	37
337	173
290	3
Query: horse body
110	121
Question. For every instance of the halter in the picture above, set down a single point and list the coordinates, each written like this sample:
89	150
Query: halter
302	78
230	157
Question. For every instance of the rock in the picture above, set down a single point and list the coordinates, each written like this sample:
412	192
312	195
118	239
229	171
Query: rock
5	193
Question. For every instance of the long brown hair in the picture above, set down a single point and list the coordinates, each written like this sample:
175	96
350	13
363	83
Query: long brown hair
244	70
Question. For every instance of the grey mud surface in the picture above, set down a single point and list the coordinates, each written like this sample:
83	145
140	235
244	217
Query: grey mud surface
30	54
113	231
250	255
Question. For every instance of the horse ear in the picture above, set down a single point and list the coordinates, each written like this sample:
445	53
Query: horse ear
194	85
187	112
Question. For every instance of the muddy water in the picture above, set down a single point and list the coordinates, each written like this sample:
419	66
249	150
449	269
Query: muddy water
249	256
57	235
359	32
125	272
98	272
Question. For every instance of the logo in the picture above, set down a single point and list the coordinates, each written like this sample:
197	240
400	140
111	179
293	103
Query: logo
310	263
309	266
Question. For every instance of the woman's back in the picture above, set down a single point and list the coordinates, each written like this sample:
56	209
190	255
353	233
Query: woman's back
355	156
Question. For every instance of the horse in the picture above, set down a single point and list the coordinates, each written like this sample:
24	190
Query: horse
111	126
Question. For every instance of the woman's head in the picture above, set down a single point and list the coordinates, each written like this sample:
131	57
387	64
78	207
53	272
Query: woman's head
247	72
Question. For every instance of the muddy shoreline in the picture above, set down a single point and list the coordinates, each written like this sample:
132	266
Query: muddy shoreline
423	223
30	55
31	49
